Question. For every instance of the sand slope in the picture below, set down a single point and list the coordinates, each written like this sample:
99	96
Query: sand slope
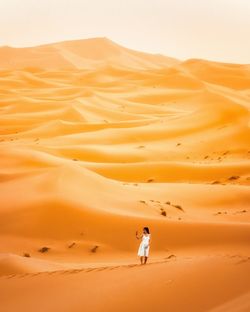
82	54
121	287
97	141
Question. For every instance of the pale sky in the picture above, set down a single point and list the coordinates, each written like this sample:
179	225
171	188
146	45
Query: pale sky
210	29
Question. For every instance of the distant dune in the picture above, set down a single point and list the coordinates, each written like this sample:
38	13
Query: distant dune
80	54
97	141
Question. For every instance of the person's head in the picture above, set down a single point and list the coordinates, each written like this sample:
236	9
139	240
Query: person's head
146	230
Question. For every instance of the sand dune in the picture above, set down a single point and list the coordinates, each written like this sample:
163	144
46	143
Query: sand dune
160	281
97	141
80	54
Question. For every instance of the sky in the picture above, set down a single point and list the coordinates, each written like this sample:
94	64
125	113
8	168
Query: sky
210	29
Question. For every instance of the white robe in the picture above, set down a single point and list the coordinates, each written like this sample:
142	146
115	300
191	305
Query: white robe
143	250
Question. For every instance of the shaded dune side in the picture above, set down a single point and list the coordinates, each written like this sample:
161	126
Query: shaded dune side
48	204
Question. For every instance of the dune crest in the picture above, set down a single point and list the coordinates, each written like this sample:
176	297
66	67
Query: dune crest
80	54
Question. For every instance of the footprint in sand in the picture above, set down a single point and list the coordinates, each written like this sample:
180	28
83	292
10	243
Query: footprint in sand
240	211
170	257
72	245
90	270
178	207
216	182
44	249
163	213
243	260
94	249
220	213
27	255
232	178
150	180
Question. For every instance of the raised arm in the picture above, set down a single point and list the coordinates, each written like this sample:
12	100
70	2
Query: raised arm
138	236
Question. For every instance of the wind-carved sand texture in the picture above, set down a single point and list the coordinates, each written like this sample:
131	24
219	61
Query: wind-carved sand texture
97	141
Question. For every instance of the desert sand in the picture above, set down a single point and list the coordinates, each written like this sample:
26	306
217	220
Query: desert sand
97	141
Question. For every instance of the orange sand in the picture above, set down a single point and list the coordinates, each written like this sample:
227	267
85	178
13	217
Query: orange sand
97	141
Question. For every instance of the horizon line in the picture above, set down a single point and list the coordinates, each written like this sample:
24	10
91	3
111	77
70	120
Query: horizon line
114	42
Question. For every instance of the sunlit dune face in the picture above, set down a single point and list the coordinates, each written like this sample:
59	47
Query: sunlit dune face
98	141
129	116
